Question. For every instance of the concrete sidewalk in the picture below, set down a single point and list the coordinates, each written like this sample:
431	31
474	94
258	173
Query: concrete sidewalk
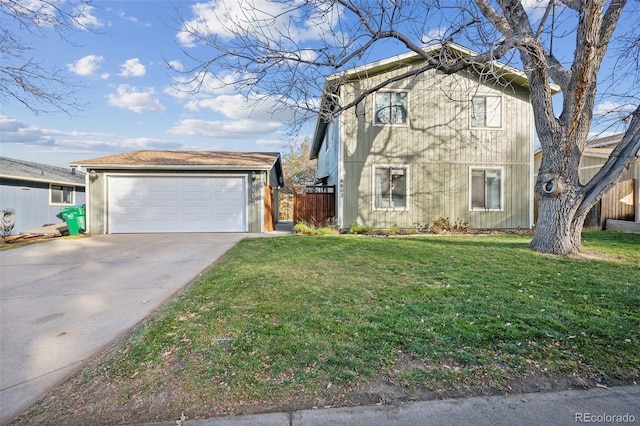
618	405
63	301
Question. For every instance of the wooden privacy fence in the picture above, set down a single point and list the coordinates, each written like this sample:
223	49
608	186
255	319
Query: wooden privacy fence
314	204
616	204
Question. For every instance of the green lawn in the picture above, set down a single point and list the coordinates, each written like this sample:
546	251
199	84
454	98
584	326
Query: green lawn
301	320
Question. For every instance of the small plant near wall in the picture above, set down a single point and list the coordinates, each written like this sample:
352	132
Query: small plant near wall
304	228
444	225
356	228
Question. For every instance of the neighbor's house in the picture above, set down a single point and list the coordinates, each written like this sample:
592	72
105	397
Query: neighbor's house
37	192
457	146
182	191
622	202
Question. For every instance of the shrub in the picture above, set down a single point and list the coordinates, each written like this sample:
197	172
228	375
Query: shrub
305	228
356	228
443	224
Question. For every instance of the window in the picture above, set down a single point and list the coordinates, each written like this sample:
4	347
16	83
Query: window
486	189
61	194
391	108
486	111
390	188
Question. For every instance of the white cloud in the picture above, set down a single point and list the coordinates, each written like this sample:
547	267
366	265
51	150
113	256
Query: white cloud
613	108
273	143
434	35
132	68
186	87
535	9
19	132
15	131
225	18
239	107
85	19
126	17
86	66
223	129
176	65
139	101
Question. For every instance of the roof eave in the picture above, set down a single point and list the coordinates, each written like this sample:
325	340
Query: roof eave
90	166
54	181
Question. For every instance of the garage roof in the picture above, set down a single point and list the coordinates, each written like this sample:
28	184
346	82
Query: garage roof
186	160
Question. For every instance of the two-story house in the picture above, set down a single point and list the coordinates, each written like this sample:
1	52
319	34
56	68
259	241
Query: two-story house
458	146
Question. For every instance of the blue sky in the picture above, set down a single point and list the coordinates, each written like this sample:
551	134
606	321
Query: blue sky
128	95
129	98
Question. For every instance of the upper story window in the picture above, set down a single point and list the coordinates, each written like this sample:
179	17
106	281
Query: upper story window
486	111
60	194
391	108
390	187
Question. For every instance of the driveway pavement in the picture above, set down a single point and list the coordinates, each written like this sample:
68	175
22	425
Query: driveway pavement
63	301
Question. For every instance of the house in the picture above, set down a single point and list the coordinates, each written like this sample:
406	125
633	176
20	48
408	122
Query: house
37	192
430	146
182	191
622	202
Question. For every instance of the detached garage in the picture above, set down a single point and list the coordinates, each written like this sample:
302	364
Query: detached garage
182	191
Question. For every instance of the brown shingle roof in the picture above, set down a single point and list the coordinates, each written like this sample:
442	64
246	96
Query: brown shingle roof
186	159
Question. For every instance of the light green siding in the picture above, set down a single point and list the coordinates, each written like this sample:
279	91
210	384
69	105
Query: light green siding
438	147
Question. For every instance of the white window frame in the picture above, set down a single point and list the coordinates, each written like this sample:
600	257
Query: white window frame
502	179
374	188
61	186
375	108
486	122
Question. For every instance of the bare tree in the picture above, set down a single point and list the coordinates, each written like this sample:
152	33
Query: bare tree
298	168
25	78
286	49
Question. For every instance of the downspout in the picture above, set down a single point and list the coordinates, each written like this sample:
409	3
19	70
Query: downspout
637	167
87	198
532	171
341	177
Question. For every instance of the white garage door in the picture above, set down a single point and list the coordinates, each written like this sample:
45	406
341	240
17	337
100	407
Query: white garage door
176	204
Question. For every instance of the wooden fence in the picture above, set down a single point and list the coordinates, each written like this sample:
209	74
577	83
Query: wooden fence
269	209
616	204
314	204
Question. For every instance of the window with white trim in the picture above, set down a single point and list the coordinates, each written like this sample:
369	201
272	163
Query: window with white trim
391	108
390	187
60	194
486	189
486	111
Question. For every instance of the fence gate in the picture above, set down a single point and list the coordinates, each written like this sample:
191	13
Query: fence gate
314	204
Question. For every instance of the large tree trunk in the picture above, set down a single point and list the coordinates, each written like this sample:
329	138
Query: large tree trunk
558	230
560	196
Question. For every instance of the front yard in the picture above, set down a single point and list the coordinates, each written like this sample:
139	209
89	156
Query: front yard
299	322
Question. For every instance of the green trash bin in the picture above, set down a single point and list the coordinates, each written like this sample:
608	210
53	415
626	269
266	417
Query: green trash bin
75	217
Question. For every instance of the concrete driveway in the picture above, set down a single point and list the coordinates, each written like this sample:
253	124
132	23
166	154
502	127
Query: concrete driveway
63	301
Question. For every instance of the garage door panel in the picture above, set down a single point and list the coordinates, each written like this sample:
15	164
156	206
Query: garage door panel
197	211
223	196
157	195
196	195
161	212
176	204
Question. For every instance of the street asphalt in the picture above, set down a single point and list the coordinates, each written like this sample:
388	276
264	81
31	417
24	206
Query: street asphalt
63	301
